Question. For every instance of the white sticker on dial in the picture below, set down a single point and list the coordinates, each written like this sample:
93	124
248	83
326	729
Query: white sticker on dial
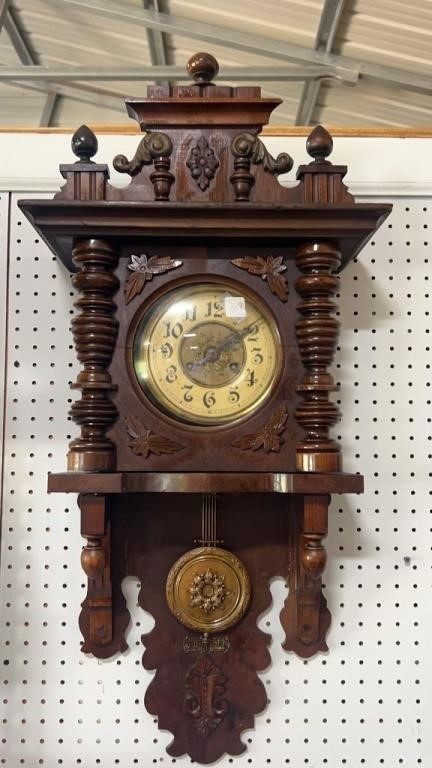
235	306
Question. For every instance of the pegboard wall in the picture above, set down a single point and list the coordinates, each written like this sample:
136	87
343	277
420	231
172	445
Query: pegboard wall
365	704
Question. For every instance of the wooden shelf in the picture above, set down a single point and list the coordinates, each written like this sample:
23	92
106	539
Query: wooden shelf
201	482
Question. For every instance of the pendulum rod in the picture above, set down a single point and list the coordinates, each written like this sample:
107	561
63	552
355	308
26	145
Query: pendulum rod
209	520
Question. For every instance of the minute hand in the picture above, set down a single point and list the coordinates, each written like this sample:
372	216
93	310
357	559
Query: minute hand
226	344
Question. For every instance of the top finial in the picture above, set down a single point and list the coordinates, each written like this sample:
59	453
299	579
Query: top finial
84	144
319	144
203	67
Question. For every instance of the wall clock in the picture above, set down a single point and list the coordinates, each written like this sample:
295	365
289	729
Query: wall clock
205	328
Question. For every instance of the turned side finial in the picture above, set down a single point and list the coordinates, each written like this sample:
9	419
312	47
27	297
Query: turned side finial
203	67
84	144
319	144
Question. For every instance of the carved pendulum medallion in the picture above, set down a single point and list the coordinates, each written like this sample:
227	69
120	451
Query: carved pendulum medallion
206	328
208	588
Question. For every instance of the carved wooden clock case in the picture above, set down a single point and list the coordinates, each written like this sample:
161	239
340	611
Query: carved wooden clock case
205	327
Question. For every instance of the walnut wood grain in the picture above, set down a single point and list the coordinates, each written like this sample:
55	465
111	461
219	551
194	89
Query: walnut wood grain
203	482
104	617
94	331
317	333
305	616
59	221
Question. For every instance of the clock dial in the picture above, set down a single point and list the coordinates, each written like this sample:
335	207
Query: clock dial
207	353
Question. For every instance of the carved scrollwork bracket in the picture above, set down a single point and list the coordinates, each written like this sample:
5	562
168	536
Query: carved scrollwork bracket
153	148
248	150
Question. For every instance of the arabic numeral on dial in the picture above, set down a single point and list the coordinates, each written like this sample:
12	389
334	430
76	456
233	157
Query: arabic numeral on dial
175	331
252	333
250	377
187	397
214	309
190	313
166	351
209	399
171	374
234	396
258	358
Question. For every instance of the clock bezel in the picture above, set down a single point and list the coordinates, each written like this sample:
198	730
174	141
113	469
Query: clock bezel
150	302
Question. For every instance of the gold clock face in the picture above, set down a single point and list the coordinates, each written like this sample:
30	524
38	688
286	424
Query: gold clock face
207	353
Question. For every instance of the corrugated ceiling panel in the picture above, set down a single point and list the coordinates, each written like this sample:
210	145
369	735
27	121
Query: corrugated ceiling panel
373	104
391	32
73	36
293	20
73	114
19	107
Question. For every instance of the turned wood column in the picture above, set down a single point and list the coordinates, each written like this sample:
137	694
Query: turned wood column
95	333
317	334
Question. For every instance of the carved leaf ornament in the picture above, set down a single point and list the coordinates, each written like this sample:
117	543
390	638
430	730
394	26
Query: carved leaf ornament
143	269
269	437
268	269
144	442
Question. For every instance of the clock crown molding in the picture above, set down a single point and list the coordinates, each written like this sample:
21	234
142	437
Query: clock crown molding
201	146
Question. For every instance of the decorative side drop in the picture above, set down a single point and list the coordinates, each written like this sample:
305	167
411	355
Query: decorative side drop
202	163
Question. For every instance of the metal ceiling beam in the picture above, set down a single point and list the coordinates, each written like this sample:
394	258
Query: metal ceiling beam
18	40
237	74
157	40
29	59
76	94
51	103
330	18
3	8
244	41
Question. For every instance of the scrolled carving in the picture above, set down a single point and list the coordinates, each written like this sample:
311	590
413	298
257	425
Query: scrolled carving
204	692
202	163
144	442
268	437
248	149
153	148
152	145
246	145
268	269
144	269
